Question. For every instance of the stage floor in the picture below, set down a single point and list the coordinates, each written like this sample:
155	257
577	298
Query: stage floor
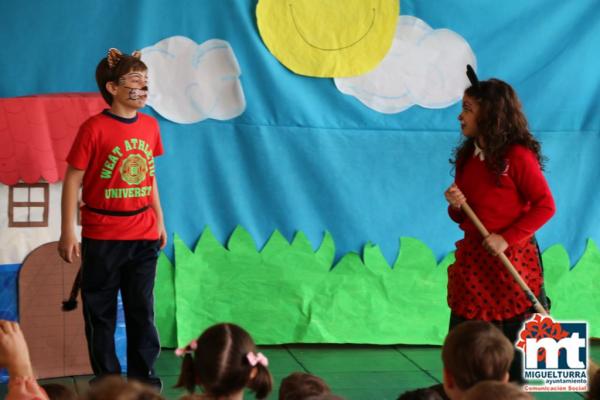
353	371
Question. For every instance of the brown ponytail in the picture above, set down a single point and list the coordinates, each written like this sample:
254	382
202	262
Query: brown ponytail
262	383
187	376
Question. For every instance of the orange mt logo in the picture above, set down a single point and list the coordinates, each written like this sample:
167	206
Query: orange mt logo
134	169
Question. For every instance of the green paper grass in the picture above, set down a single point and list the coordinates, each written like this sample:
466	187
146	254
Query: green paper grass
290	293
574	291
164	302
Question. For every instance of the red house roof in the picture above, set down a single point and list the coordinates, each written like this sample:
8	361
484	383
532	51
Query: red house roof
36	133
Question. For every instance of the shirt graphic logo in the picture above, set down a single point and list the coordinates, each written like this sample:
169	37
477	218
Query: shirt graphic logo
133	169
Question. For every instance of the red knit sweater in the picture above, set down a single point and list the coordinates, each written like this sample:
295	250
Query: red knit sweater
516	208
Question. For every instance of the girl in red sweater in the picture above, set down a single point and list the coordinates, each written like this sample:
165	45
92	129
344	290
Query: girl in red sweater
499	172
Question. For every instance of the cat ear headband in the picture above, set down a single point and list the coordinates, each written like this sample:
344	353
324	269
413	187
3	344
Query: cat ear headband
115	55
472	77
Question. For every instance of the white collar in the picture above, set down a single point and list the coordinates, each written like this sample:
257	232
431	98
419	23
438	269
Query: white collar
478	152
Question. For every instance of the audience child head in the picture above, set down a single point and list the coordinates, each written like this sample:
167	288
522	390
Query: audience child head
223	361
420	394
594	383
474	351
56	391
495	390
300	385
116	388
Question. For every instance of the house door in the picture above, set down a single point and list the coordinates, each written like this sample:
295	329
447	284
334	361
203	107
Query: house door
56	338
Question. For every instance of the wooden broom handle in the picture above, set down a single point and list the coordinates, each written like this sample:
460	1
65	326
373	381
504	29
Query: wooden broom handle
511	268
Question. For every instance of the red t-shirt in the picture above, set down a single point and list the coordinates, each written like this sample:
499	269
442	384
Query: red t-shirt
117	155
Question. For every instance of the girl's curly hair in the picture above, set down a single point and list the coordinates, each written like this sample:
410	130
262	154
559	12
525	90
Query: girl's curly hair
500	122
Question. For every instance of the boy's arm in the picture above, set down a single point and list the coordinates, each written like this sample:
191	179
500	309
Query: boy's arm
162	233
68	245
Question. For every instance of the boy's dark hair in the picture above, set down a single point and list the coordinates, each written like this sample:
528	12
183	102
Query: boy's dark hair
105	74
475	351
420	394
56	391
300	385
221	366
500	122
494	390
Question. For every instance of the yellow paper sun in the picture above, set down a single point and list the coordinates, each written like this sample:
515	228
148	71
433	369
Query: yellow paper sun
328	38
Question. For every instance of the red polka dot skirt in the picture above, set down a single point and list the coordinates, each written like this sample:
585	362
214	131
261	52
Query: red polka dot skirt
480	287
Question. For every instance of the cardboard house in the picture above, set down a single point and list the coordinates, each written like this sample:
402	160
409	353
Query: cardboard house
36	133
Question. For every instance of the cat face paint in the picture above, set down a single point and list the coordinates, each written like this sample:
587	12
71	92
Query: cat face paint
136	83
134	78
137	93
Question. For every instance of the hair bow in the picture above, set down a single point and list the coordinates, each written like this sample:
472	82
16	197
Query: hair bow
257	358
189	349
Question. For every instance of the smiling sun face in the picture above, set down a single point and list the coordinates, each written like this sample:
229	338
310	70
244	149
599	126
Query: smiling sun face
328	38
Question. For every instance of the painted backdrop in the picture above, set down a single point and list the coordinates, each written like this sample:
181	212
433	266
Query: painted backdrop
304	157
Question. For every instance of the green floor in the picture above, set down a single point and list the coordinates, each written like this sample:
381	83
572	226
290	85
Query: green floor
354	372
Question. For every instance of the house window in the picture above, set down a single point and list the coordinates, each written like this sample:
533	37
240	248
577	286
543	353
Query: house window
28	205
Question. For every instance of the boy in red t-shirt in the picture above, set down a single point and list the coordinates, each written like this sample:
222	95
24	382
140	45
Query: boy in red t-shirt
122	222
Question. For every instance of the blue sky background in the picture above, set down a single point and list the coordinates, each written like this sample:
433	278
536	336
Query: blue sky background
305	157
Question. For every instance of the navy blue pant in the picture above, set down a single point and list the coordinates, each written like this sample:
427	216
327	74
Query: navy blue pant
130	266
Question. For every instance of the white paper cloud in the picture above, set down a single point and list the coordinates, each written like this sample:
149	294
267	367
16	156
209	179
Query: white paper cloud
190	82
424	66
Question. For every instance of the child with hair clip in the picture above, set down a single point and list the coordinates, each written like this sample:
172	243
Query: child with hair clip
499	173
223	361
